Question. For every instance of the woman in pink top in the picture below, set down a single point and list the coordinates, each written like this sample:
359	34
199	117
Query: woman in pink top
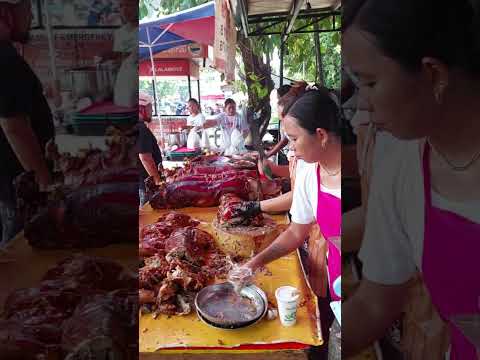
418	65
313	124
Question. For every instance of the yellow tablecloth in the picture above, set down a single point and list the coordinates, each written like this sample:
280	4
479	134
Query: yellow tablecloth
30	265
188	331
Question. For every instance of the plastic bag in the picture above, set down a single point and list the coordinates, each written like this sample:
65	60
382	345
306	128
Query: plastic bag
317	262
237	140
225	140
237	143
335	342
193	140
425	335
205	143
125	94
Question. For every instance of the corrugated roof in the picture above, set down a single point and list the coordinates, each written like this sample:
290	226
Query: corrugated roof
259	7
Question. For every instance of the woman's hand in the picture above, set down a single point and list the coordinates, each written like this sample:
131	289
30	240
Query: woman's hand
241	276
246	209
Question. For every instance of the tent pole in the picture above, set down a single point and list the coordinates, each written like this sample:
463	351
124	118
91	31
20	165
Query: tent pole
154	73
282	53
155	97
320	76
189	87
198	90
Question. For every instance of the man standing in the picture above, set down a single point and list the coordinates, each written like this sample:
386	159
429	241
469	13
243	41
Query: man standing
148	149
25	118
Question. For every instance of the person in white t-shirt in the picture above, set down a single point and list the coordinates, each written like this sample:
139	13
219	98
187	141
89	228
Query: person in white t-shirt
234	127
424	204
125	52
313	124
195	120
125	38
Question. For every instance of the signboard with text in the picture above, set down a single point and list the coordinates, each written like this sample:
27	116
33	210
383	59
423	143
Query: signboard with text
190	51
171	67
225	40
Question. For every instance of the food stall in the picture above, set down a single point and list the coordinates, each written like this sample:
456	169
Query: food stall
65	39
60	274
173	46
195	195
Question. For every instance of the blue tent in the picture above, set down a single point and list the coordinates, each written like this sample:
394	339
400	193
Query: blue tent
193	25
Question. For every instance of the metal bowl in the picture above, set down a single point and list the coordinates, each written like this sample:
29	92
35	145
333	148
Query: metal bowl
215	306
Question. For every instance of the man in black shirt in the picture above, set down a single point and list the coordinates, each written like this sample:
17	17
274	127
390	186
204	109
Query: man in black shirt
148	149
25	118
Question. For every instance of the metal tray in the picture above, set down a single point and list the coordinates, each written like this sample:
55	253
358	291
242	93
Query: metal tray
216	293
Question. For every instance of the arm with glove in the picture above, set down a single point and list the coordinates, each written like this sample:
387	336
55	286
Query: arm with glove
250	209
285	243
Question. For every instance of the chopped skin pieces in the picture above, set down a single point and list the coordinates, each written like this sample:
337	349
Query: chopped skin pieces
57	320
203	181
186	262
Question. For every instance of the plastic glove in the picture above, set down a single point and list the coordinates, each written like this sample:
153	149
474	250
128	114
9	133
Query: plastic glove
246	209
240	276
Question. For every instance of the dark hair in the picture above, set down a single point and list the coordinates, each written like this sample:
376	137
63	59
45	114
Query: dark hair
283	90
193	100
317	109
229	101
409	30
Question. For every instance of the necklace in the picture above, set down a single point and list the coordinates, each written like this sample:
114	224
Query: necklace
329	173
453	166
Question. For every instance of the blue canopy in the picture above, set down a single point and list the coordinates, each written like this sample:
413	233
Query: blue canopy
193	25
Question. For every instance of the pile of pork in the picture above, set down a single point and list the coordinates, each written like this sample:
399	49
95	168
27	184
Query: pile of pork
93	201
84	308
205	179
178	260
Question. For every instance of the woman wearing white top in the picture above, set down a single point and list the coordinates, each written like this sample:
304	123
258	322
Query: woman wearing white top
313	124
421	81
196	119
234	128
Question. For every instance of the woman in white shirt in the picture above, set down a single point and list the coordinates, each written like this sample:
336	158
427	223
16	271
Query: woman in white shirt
421	81
313	125
196	119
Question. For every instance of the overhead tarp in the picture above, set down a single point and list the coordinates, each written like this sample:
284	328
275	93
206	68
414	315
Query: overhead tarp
193	25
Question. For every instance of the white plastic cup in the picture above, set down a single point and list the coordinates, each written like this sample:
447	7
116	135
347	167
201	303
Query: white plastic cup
287	300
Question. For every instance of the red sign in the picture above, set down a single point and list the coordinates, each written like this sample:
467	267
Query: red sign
191	51
73	48
177	67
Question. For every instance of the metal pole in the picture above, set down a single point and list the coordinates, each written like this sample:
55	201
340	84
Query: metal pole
189	87
51	41
155	97
154	73
282	52
198	90
320	77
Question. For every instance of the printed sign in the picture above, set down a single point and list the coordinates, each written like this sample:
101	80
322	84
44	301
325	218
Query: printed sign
178	67
225	40
190	51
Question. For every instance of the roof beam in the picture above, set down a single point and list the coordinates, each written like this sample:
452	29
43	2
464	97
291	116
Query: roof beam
255	19
297	32
294	11
244	16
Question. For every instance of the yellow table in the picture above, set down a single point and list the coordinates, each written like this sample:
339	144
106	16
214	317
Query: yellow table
29	265
185	336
